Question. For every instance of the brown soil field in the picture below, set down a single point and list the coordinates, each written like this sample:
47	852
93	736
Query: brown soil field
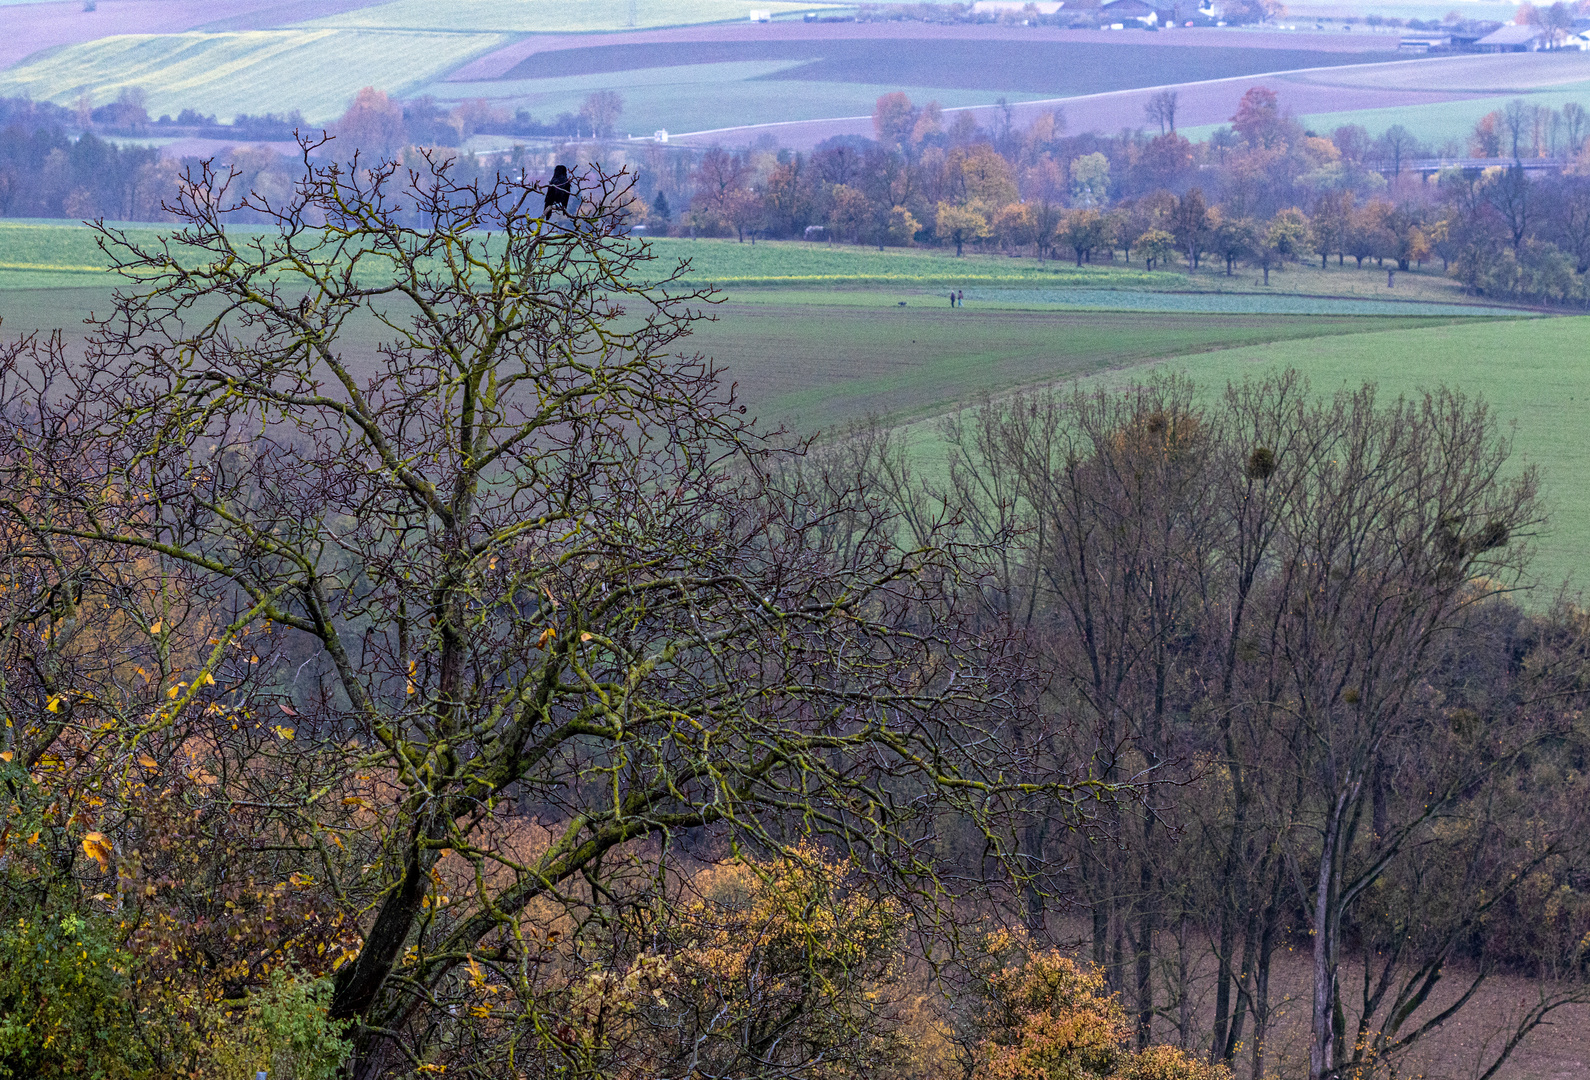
1048	68
498	64
33	27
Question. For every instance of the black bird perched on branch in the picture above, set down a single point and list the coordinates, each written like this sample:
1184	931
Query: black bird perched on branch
558	191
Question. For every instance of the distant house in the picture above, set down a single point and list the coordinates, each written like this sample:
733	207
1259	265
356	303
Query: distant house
1132	11
1512	39
1016	7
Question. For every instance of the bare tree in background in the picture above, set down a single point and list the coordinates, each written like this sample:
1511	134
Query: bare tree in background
601	111
1161	110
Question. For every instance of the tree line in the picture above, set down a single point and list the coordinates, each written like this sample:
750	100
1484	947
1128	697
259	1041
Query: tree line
85	163
1263	192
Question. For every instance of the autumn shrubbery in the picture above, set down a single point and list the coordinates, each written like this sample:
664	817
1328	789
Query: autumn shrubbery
64	1005
1053	1018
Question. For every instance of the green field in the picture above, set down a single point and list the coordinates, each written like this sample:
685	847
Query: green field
55	254
816	335
35	255
251	71
1439	123
821	367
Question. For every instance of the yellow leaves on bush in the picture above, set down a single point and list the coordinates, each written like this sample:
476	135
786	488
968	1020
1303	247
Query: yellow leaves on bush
1168	1063
1054	1019
98	848
801	907
546	635
283	733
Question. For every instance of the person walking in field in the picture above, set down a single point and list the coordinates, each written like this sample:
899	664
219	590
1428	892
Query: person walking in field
952	298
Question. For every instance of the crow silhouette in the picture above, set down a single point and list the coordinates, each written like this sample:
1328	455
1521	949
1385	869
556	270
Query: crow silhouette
558	191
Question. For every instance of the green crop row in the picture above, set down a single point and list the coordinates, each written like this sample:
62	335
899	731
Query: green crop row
315	71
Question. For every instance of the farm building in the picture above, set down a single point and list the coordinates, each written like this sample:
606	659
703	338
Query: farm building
1130	11
1512	39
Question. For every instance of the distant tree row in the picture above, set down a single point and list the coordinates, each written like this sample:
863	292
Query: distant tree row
72	162
1262	192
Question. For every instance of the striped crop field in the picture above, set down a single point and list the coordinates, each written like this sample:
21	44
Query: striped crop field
315	71
551	16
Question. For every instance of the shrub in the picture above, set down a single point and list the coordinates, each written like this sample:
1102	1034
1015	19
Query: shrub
283	1029
63	1002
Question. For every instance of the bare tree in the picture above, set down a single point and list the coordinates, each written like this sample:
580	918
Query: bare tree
601	110
1161	109
537	562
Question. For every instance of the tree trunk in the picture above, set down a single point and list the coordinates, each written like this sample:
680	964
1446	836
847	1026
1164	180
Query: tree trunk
1323	1032
1146	926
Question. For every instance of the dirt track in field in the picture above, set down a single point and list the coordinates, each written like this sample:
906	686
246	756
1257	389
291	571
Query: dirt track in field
1317	90
1211	102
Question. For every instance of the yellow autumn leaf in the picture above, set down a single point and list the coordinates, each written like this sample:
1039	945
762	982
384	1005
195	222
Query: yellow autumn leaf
546	635
148	762
6	755
412	668
283	733
205	679
154	627
96	847
54	705
586	636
